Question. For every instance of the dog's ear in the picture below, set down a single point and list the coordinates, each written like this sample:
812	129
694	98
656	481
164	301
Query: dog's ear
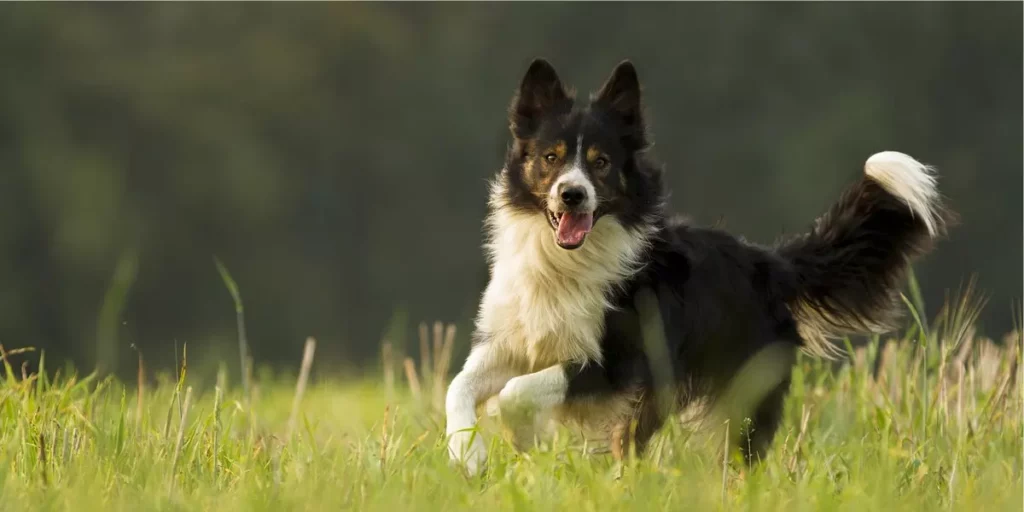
620	94
540	91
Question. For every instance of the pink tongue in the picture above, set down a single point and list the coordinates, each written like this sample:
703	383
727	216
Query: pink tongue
573	228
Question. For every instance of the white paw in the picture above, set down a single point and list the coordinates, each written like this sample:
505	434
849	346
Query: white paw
467	449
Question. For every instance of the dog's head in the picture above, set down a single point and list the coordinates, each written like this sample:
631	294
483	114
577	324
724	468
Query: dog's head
578	161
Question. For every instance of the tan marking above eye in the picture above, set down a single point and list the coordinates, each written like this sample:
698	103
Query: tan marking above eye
555	153
597	158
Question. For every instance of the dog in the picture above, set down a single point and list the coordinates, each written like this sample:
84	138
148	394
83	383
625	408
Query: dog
587	267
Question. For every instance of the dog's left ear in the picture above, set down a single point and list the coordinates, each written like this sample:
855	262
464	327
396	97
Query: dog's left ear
621	95
540	92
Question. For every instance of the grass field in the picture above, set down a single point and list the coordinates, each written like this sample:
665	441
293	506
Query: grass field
907	424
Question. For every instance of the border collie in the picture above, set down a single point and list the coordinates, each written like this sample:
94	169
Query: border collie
586	268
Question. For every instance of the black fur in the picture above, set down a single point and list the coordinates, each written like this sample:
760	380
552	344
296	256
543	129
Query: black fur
852	263
721	300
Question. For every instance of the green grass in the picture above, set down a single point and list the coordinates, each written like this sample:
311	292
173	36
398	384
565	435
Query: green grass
941	431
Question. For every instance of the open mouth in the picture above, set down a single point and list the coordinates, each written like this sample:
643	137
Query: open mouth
571	228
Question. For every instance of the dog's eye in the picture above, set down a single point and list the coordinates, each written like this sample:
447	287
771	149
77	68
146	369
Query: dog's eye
551	158
601	163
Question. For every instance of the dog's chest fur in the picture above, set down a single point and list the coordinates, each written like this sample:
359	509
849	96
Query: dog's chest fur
546	305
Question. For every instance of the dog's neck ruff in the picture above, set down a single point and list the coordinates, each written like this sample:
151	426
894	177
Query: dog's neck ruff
546	304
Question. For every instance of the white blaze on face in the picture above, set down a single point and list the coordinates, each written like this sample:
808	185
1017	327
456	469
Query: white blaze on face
574	177
572	227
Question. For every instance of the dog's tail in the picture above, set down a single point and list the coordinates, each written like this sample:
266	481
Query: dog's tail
847	272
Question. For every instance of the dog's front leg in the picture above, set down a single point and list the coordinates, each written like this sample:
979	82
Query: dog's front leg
526	396
481	377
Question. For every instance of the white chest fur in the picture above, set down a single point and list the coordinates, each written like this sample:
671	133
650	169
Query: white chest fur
545	305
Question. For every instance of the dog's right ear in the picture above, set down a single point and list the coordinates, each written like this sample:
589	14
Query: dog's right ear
621	95
540	91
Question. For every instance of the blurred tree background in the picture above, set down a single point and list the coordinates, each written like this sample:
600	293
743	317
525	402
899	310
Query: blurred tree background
335	156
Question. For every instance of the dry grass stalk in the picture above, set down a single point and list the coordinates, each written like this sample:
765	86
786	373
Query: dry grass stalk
183	373
438	341
1012	344
416	443
384	440
943	401
964	350
300	386
414	381
960	399
860	357
425	365
805	416
725	465
216	428
1009	356
442	362
989	364
387	359
885	382
439	347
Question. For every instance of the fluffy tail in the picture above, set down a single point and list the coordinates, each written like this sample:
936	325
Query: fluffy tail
848	271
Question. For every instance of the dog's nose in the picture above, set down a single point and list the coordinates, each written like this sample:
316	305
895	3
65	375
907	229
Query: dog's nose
573	196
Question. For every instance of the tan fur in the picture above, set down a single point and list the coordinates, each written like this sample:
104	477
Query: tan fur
593	152
560	148
598	419
540	175
533	173
815	328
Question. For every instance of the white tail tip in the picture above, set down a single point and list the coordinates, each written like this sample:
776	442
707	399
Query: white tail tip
910	180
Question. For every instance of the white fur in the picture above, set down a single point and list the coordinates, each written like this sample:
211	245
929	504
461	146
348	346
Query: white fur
574	177
482	376
544	306
909	180
538	390
528	401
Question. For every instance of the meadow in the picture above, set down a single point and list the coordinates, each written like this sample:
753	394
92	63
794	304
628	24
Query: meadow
926	419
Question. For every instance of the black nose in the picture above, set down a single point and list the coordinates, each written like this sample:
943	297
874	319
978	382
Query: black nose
573	196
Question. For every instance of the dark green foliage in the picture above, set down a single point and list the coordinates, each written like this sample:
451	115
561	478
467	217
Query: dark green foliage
334	155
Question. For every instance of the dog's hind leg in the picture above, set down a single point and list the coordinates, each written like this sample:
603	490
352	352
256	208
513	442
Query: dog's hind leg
636	430
753	402
759	432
